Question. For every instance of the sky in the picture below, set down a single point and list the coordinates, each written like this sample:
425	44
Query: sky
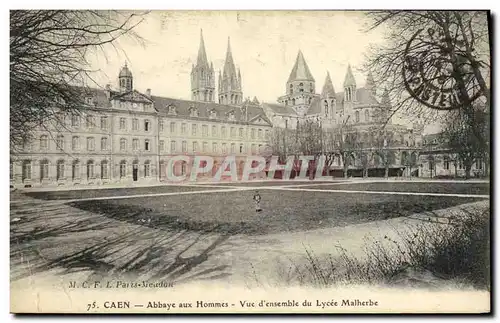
264	46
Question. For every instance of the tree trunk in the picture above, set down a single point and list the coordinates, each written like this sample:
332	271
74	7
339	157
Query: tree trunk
456	170
386	172
467	171
410	172
365	172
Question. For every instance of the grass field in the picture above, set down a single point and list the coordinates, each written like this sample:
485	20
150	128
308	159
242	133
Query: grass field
229	208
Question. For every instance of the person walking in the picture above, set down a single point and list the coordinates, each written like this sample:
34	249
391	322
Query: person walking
257	199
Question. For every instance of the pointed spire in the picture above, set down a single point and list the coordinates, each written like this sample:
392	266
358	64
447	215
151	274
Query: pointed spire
328	89
229	54
300	70
349	77
202	55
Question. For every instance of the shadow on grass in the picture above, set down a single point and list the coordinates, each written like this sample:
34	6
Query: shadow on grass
43	244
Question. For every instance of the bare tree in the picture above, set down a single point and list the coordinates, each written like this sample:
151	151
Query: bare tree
49	62
468	139
432	60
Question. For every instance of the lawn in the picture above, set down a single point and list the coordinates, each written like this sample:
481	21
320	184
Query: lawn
444	188
234	212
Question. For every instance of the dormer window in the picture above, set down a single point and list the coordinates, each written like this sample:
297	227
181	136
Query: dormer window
213	114
172	109
193	112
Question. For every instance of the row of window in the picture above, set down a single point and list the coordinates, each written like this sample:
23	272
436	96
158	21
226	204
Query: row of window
195	147
90	122
90	143
194	130
75	170
367	116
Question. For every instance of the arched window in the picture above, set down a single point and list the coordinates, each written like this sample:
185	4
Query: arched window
367	116
325	104
301	87
404	158
104	169
60	170
413	158
123	144
312	88
90	169
293	101
291	88
147	168
446	162
357	116
123	169
44	169
75	170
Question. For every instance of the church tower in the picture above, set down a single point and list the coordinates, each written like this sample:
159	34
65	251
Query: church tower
328	99
230	82
125	79
202	76
300	87
385	107
349	86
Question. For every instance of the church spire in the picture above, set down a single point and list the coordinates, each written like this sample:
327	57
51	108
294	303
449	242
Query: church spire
231	80
328	89
202	54
202	76
300	70
349	77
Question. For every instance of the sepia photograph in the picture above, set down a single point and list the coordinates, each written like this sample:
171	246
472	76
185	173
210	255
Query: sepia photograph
250	161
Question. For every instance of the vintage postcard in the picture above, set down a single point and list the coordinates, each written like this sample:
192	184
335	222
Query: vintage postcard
249	161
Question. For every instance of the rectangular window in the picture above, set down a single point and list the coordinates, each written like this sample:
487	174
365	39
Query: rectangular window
233	132
90	121
183	129
75	120
75	171
214	131
26	170
205	130
214	147
135	144
147	125
184	147
147	145
172	127
267	134
162	125
223	132
147	170
104	170
233	148
90	144
241	132
44	170
172	146
104	143
75	143
123	144
205	147
60	171
123	123
162	145
254	148
60	143
253	134
135	124
260	133
44	142
104	123
224	148
195	146
193	129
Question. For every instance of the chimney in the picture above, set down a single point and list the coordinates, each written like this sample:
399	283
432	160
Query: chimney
108	90
148	92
